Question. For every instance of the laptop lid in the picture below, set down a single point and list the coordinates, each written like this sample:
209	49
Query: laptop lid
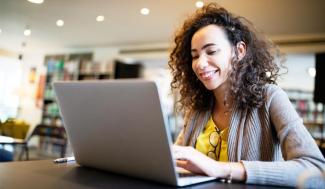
118	126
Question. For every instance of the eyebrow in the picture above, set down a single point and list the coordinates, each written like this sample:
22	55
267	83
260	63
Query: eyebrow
204	46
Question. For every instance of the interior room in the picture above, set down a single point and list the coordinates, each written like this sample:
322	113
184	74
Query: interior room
43	41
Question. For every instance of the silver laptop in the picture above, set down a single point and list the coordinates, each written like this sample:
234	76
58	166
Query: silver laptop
119	126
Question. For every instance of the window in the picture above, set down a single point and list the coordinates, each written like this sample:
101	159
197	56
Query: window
10	79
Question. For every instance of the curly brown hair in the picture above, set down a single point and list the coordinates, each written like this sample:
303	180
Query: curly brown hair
249	75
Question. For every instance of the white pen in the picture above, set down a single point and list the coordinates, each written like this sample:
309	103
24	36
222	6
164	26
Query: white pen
64	160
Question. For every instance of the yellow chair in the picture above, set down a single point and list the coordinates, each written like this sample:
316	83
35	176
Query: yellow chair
14	128
14	133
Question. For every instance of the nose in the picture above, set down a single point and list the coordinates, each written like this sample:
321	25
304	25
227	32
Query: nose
202	62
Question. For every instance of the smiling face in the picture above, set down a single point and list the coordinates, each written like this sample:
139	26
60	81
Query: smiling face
211	56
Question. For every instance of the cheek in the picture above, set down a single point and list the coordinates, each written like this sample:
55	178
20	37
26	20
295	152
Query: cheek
227	68
228	63
194	66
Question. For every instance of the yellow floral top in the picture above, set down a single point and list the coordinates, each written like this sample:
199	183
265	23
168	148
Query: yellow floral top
213	142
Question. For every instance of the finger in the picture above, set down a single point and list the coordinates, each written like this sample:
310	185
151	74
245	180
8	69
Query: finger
176	148
178	156
178	152
181	163
189	166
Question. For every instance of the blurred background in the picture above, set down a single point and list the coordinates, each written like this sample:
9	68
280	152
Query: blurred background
42	41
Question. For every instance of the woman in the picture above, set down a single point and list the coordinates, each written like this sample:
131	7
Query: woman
239	125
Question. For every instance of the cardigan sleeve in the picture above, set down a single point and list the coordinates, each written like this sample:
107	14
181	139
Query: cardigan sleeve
180	138
299	149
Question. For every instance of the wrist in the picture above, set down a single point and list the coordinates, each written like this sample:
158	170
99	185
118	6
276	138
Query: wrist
233	172
226	173
229	175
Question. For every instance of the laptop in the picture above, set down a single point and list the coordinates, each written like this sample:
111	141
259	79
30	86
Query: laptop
119	126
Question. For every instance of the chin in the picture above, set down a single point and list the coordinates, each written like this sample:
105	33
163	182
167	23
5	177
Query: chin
215	84
211	87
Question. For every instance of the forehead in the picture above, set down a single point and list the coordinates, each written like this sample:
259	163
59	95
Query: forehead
209	34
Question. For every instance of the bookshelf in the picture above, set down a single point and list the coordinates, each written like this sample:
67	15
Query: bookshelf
64	67
312	113
67	67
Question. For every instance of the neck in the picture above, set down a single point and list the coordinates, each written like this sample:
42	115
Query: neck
222	103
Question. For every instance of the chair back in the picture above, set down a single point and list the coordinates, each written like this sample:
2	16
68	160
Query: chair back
49	131
52	135
14	128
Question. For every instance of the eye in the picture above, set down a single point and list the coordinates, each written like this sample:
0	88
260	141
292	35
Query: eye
211	52
194	56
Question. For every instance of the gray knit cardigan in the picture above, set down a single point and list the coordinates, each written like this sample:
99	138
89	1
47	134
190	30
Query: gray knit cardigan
271	142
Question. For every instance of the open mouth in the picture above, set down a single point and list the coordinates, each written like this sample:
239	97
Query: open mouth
208	75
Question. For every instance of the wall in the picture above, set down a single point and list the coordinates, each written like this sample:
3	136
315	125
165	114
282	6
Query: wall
32	114
29	111
297	77
156	68
10	81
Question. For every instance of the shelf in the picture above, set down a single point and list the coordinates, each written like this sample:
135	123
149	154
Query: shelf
49	100
308	111
312	113
52	116
93	76
66	67
314	124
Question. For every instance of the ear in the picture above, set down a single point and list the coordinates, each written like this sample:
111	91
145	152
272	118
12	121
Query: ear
241	49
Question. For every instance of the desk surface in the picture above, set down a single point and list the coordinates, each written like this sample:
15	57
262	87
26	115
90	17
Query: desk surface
45	174
10	140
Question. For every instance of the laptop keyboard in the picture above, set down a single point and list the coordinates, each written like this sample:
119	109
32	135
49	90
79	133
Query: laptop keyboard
186	175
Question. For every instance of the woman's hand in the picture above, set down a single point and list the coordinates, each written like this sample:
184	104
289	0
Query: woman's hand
188	158
194	161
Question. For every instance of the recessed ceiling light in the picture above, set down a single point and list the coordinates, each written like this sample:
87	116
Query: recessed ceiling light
199	4
312	72
36	1
0	31
27	32
144	11
60	23
100	18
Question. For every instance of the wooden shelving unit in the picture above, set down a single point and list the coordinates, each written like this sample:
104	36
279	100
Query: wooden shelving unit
63	68
312	113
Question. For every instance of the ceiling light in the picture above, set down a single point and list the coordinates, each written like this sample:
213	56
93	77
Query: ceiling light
312	72
36	1
145	11
0	31
60	23
100	18
27	32
199	4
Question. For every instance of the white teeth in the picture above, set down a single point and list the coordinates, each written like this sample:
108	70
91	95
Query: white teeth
208	74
